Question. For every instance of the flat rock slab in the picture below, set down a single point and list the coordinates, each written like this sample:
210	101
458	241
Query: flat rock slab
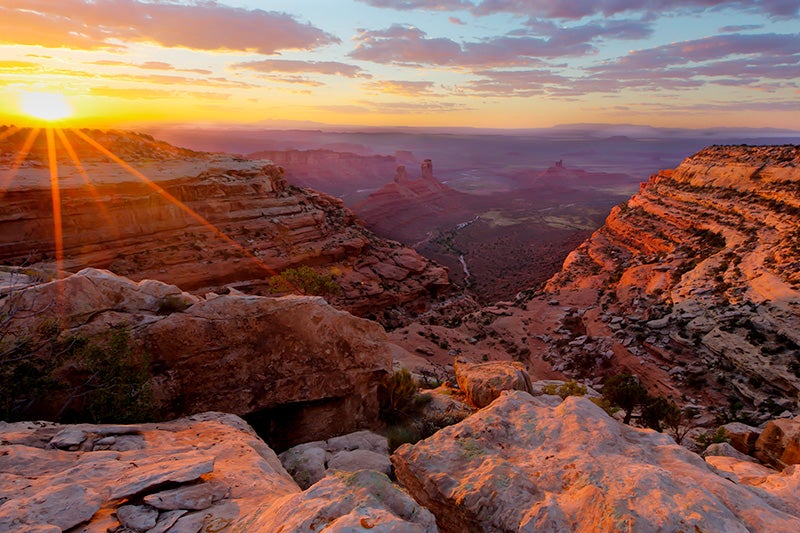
345	502
520	465
63	506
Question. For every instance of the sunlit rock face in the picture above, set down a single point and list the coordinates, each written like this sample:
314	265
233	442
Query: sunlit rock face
699	275
208	472
520	465
299	367
202	221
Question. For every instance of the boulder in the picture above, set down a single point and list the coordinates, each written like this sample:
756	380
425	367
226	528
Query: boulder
779	443
309	462
343	502
519	465
483	382
742	436
723	449
212	461
271	358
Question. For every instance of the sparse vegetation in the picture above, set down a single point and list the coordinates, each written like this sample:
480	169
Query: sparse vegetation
400	399
625	391
305	280
568	388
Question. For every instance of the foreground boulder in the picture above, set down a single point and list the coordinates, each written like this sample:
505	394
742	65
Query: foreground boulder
483	382
217	469
209	472
294	357
779	443
519	465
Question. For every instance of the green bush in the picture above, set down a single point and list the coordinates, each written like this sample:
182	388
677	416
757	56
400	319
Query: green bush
568	388
304	280
400	399
398	435
75	379
172	304
625	391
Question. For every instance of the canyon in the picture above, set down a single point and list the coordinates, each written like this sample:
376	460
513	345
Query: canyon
201	221
691	285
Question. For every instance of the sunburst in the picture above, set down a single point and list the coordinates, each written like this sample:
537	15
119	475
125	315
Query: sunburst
52	134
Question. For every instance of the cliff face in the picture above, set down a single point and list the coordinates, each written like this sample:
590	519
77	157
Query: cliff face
336	173
693	285
702	266
218	220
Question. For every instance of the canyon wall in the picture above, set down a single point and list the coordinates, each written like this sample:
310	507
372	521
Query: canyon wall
202	221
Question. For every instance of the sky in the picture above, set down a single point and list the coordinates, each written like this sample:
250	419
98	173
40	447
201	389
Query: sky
460	63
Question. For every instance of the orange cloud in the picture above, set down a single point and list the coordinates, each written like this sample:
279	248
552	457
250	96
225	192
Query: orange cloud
98	24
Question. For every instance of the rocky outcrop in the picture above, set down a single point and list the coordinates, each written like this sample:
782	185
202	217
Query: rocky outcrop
414	206
204	221
779	443
334	172
208	472
111	476
704	260
274	359
311	461
690	285
520	465
483	382
344	501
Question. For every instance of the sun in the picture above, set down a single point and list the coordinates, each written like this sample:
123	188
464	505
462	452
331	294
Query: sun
46	106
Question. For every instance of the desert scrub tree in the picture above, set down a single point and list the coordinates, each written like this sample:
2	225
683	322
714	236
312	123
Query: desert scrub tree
305	280
625	391
68	378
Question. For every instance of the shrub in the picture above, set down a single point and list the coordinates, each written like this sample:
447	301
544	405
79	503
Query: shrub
305	280
625	391
74	379
568	388
172	304
704	440
396	436
400	399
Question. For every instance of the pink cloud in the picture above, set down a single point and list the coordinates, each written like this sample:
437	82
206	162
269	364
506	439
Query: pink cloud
206	25
286	65
404	88
605	8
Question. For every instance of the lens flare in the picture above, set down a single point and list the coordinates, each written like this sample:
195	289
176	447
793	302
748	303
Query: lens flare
46	106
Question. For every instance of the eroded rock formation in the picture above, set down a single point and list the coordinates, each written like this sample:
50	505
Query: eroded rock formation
521	465
208	472
202	222
293	358
692	285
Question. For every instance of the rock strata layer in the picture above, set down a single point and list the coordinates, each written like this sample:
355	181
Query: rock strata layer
270	358
202	221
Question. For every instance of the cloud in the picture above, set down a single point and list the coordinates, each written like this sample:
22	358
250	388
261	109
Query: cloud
201	25
149	65
333	68
408	45
743	27
404	88
596	8
457	21
152	94
18	65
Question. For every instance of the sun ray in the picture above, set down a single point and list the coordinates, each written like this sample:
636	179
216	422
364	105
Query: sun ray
55	192
21	156
73	155
173	200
